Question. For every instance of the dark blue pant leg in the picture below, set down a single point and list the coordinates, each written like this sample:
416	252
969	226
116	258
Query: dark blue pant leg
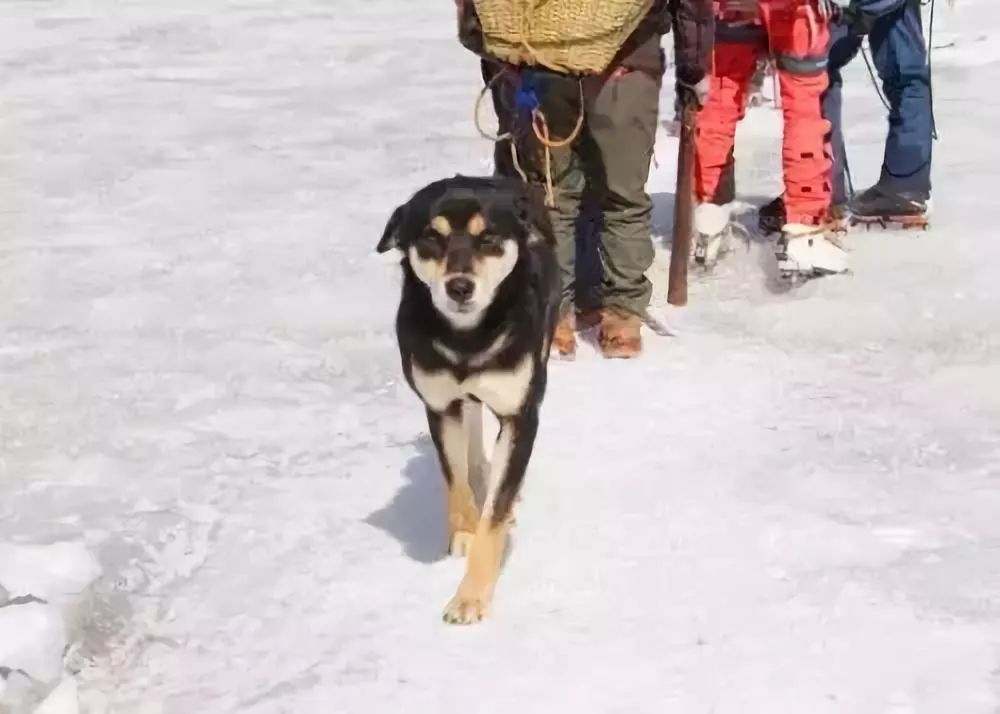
843	48
897	42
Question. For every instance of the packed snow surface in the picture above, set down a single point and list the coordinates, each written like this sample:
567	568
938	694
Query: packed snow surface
791	506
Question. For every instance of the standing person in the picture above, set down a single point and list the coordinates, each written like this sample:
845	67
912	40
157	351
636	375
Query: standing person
895	34
796	32
603	128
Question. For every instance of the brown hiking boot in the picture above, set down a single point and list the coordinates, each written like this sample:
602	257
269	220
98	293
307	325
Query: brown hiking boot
620	336
564	338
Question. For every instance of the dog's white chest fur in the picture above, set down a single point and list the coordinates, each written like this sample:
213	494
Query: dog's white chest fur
503	391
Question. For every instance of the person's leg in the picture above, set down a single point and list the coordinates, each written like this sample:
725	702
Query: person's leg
844	47
558	99
800	39
747	35
900	57
623	114
733	66
588	258
734	61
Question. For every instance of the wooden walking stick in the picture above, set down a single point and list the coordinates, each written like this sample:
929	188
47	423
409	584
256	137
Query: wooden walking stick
680	252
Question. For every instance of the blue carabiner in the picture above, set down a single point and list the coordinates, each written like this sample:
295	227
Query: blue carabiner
526	98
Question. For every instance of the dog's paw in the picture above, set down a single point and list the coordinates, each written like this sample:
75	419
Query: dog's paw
465	610
461	543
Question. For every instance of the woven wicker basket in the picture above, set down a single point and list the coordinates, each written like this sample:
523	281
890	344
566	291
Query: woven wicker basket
572	36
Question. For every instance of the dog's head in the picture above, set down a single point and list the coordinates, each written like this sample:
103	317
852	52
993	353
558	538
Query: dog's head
462	237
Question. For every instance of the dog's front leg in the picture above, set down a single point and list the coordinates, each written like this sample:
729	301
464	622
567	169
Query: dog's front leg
509	463
472	420
449	433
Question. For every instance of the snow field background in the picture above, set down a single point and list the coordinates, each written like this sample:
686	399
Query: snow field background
789	507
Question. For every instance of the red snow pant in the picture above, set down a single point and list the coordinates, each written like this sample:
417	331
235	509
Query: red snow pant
799	39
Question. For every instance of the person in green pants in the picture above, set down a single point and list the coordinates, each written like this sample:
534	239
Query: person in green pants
600	133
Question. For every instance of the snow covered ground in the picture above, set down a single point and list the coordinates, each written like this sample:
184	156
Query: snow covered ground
792	506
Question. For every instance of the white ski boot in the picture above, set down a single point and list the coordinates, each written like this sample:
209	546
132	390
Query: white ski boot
713	233
806	251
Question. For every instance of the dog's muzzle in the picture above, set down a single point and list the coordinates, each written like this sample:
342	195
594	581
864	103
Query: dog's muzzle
460	289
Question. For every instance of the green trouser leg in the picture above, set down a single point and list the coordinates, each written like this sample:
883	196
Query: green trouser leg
560	103
613	150
568	183
621	118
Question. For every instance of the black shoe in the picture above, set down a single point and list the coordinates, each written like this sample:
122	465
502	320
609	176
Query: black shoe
771	217
880	203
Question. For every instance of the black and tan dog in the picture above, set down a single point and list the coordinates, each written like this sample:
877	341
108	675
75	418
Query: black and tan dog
478	308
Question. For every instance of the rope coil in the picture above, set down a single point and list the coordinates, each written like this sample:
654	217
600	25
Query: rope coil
528	101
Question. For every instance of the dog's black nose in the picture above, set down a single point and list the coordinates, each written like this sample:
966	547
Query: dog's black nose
460	289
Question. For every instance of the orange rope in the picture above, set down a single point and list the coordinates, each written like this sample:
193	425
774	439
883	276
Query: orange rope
479	104
539	124
537	117
497	138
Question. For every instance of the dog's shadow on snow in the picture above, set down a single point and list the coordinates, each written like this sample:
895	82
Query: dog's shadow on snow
416	515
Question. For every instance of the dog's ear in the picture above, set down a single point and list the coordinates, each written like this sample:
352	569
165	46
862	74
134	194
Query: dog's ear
390	236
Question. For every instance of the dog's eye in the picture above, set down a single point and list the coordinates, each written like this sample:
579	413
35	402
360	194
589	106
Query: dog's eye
430	245
491	244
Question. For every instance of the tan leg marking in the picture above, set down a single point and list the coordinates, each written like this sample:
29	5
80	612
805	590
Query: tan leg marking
472	422
475	592
462	518
462	512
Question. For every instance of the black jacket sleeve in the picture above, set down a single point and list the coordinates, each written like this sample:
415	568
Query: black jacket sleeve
694	34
